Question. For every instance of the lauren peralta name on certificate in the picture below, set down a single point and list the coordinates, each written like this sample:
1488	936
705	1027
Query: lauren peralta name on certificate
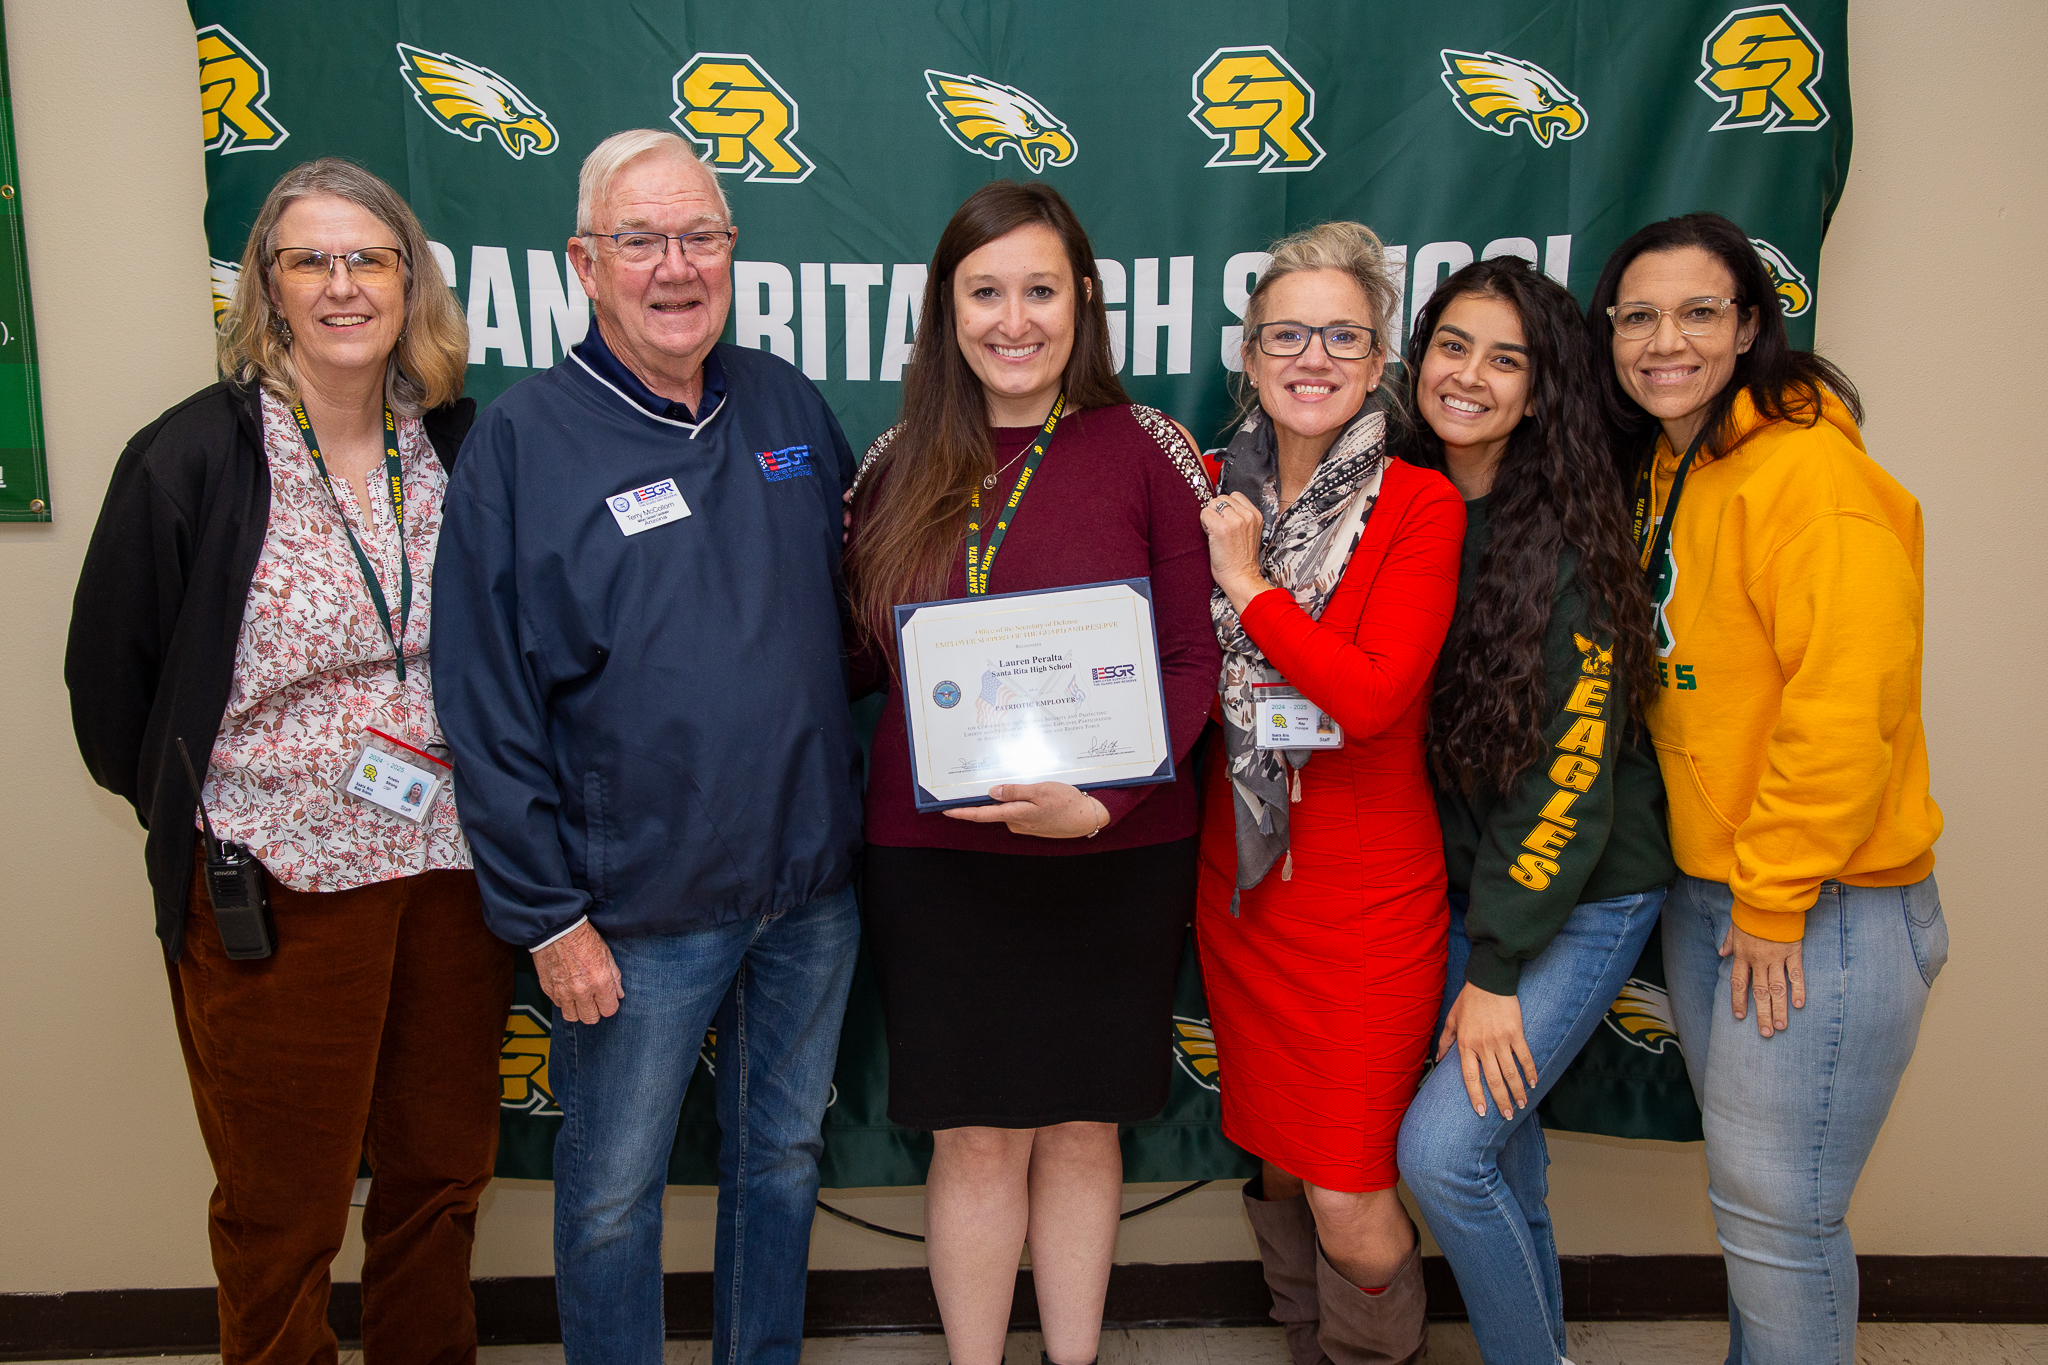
1058	686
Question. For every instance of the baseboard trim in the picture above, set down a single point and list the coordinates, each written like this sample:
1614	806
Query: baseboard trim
113	1322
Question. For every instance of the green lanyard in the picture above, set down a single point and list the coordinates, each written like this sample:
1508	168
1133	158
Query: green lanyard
1652	552
397	489
979	560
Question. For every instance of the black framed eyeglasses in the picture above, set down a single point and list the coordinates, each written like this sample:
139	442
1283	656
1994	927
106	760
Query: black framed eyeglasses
1695	317
1341	340
366	264
704	247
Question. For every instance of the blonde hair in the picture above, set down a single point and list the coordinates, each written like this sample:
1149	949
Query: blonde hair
611	156
426	366
1349	248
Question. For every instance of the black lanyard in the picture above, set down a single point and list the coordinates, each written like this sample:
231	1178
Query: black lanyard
1652	552
979	560
392	476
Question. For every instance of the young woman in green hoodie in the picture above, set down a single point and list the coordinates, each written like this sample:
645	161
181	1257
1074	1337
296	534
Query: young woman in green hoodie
1550	797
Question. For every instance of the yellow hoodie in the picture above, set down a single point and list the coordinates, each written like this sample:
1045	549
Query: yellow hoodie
1788	723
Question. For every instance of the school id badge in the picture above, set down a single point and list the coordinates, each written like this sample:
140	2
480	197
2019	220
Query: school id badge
392	774
1288	720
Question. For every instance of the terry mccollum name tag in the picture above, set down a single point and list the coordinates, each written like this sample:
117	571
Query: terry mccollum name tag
1059	686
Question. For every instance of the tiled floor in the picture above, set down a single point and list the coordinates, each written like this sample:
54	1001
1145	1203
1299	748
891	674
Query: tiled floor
1592	1343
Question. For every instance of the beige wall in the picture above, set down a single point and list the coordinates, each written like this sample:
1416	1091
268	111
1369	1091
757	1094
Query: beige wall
1933	296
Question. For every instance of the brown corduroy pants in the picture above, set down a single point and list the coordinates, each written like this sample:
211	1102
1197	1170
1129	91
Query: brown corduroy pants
372	1032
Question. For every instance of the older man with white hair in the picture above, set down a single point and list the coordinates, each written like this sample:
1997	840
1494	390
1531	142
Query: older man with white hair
638	665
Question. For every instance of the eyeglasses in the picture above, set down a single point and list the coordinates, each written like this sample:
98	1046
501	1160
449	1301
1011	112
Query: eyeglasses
644	248
367	265
1695	317
1341	340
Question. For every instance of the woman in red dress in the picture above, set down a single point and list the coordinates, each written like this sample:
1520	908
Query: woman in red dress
1321	909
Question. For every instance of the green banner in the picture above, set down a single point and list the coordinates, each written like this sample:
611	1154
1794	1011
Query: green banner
1188	134
24	471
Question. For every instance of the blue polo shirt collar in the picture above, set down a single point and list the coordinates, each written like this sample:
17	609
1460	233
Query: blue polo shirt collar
603	363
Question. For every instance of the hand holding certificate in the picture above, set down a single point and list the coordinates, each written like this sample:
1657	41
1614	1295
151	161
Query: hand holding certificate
1058	686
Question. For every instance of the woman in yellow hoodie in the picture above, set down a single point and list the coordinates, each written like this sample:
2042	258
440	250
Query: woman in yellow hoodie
1785	566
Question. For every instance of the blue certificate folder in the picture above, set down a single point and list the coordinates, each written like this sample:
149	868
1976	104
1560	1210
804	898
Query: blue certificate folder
966	689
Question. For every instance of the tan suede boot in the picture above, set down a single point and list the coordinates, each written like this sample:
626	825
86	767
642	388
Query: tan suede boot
1387	1328
1287	1251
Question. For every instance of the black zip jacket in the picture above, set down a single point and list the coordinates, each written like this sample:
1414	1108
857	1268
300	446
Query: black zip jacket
159	609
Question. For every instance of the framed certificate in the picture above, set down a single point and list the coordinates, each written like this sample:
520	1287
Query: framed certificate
1056	686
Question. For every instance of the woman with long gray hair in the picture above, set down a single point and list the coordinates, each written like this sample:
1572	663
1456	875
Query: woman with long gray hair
258	595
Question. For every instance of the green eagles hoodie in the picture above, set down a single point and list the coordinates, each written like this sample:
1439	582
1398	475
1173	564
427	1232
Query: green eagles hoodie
1583	823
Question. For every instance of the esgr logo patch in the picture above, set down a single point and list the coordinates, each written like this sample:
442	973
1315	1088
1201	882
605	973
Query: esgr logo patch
791	462
1114	673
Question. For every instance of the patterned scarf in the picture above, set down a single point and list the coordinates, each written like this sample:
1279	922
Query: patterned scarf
1304	553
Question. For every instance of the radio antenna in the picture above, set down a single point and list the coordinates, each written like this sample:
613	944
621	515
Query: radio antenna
212	844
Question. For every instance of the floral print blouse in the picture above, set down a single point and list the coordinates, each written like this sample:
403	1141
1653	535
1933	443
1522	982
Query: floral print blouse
314	669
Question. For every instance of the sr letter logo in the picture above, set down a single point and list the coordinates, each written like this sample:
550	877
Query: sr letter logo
233	86
1258	107
1763	64
742	122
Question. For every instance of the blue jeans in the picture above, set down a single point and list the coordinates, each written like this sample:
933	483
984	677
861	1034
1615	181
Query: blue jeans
1482	1181
1790	1119
776	987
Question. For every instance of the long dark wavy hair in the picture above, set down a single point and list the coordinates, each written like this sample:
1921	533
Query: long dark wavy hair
1783	384
1554	493
908	540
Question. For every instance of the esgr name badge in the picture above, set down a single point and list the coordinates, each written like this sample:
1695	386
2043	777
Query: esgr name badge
643	509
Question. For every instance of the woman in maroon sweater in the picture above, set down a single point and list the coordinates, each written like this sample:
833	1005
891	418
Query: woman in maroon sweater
1026	950
1322	916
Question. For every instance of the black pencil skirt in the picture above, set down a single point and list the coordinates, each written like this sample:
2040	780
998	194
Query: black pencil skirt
1025	991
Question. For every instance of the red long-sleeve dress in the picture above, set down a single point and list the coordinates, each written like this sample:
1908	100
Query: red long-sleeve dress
1324	989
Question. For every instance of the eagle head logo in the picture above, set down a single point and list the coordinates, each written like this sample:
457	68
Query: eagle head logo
985	118
468	100
1641	1016
1597	661
523	1064
1194	1047
226	275
1792	288
1496	91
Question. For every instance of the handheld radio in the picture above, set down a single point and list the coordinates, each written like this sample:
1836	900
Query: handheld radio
234	884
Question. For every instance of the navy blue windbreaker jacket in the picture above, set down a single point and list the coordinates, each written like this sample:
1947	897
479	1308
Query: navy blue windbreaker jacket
652	729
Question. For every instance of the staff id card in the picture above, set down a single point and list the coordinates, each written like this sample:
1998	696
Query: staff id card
1288	720
392	774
